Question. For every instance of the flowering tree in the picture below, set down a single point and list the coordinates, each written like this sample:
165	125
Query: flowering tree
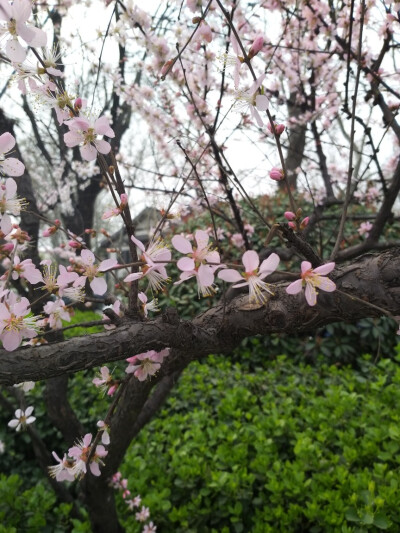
208	107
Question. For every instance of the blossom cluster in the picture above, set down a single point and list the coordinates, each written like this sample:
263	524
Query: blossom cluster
75	464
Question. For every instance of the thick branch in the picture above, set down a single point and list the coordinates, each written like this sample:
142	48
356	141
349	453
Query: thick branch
373	278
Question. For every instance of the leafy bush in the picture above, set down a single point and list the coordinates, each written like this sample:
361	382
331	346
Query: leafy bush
294	448
34	509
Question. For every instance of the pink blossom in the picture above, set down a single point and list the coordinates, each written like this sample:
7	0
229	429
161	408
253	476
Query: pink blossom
16	322
57	312
15	15
26	270
365	228
62	471
253	99
80	452
105	436
93	272
196	261
155	258
237	240
253	275
233	60
9	166
149	528
84	132
9	202
146	305
105	381
146	364
313	279
143	514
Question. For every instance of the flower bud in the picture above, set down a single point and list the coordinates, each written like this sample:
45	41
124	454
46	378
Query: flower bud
276	174
304	223
256	47
278	129
289	215
166	67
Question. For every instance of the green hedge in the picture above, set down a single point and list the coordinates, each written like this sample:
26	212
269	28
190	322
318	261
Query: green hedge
291	448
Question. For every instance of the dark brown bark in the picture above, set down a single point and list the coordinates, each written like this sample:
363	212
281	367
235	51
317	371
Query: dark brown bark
372	278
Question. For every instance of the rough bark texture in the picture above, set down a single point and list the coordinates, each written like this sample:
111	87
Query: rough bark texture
372	278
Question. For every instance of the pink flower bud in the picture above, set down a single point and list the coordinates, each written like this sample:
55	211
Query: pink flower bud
292	225
278	128
256	47
304	223
124	199
8	247
166	67
276	174
78	103
289	215
74	244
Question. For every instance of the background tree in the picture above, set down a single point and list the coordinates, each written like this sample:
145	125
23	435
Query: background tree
316	87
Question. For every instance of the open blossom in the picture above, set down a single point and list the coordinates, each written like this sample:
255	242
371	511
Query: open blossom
115	211
84	132
9	166
146	305
57	312
253	100
16	15
16	322
143	514
313	279
149	528
146	364
80	452
197	261
252	275
93	272
155	258
62	471
22	418
365	228
9	202
26	270
105	381
233	60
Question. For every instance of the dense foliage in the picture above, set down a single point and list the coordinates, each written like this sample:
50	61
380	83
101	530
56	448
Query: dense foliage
266	444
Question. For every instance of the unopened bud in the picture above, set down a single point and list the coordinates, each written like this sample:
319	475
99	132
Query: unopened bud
278	129
276	174
166	67
78	104
304	223
196	20
256	47
289	215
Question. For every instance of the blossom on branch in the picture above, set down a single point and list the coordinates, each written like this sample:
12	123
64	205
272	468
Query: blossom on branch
16	321
16	15
80	452
252	275
84	132
155	258
313	279
9	166
146	364
197	262
254	100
